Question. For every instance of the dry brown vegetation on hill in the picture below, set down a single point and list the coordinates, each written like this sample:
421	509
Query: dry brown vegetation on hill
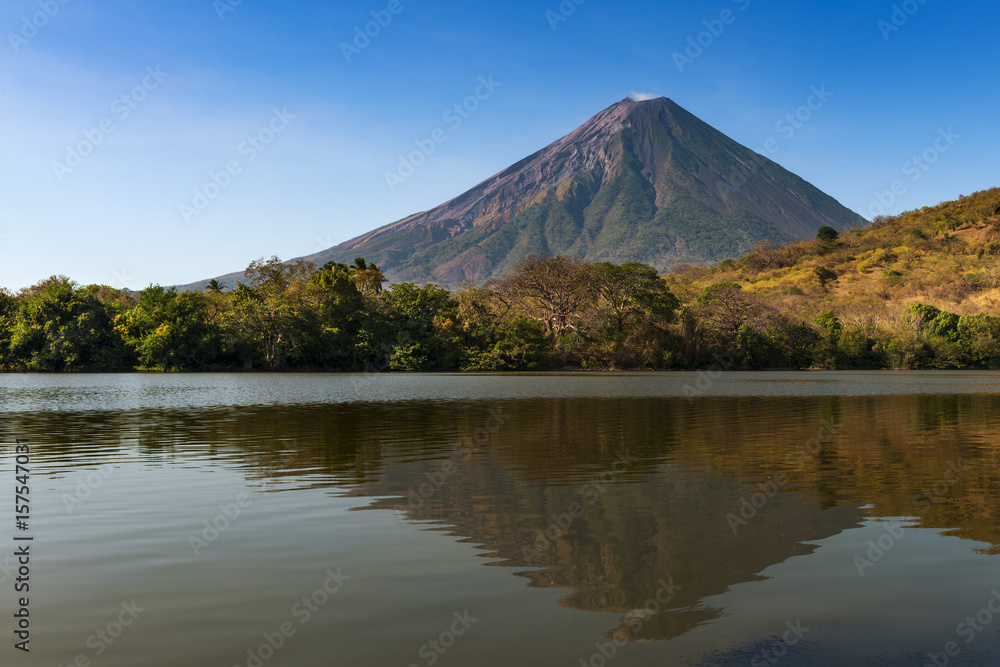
871	279
944	256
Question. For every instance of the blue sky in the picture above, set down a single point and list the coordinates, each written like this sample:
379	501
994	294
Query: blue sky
166	142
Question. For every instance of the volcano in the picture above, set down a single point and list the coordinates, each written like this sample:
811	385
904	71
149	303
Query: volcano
642	181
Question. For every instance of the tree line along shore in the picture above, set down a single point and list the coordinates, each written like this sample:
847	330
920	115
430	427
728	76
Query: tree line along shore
915	291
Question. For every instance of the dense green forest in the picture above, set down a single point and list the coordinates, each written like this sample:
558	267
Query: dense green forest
915	291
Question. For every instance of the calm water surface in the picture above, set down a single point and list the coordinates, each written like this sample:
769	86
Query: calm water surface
567	519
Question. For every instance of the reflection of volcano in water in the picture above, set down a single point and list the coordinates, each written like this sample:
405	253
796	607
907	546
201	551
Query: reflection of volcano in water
643	545
588	496
659	519
656	539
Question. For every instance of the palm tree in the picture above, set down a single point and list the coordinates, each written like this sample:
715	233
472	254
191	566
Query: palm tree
336	267
215	286
368	277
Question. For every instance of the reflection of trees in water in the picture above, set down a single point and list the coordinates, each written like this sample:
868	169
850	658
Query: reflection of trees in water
662	517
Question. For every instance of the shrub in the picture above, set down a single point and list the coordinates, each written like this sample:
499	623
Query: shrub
410	358
892	278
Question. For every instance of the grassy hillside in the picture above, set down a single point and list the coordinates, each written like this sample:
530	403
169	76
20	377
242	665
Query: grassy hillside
944	256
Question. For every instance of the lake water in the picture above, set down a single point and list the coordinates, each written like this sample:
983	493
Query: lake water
487	520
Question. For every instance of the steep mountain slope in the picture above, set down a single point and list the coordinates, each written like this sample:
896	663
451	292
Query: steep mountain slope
641	181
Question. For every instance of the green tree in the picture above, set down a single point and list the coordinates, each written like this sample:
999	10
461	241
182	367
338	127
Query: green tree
827	234
344	315
632	311
828	348
168	331
369	277
941	332
755	348
553	290
795	343
518	344
421	326
711	323
8	316
59	326
859	348
632	292
497	338
273	319
980	337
